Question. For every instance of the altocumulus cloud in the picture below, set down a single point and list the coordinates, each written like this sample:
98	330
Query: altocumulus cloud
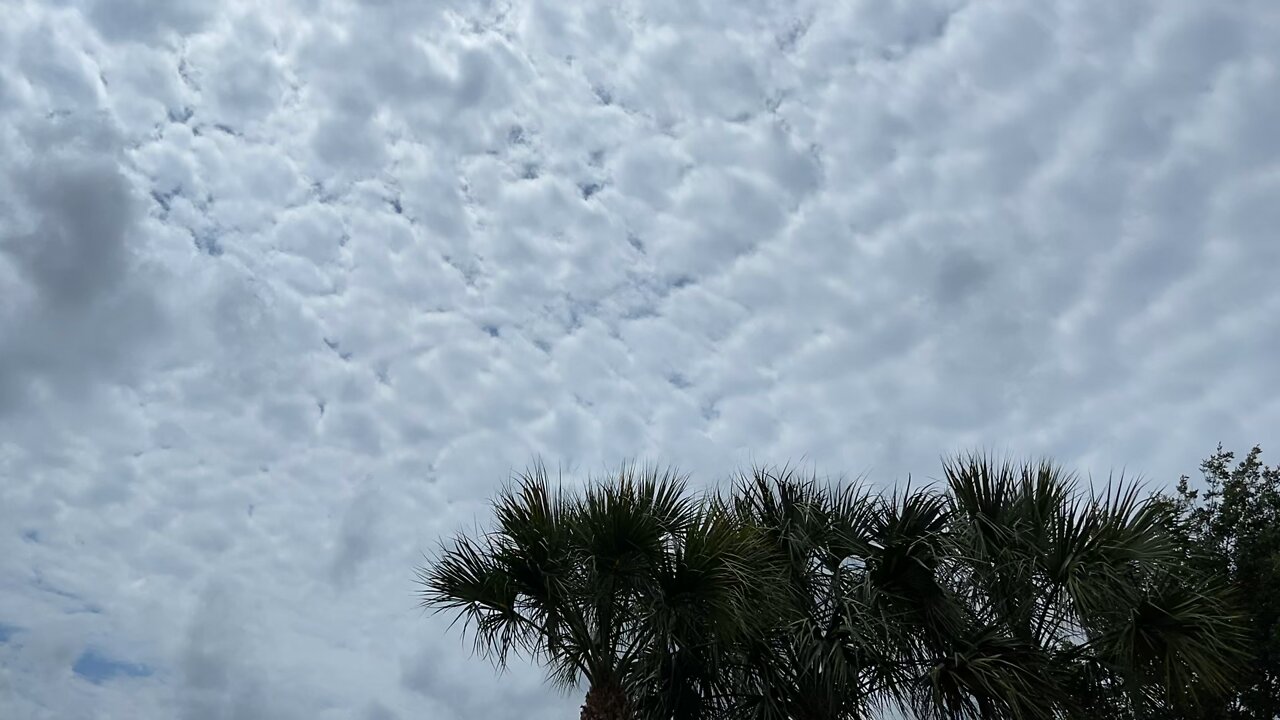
287	290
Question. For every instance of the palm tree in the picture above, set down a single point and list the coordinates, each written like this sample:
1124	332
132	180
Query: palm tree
1007	591
1093	584
864	595
631	586
1010	592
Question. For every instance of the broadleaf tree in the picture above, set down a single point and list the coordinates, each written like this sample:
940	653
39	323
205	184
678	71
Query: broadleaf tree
1229	528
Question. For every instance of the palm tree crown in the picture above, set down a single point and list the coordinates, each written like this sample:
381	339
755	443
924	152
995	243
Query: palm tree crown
1008	592
630	586
1005	591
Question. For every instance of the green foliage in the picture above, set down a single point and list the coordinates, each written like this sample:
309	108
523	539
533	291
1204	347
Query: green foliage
1011	592
1230	528
630	584
1006	591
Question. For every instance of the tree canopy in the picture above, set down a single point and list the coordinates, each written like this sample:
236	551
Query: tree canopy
1229	528
1007	590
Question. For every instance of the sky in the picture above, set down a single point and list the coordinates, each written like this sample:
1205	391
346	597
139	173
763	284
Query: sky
288	289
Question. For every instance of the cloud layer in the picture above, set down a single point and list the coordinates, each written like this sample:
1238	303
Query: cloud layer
287	291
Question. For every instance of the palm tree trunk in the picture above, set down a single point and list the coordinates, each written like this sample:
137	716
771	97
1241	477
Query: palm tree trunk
606	701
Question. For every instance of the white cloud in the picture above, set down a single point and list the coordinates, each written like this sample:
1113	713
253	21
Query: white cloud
286	293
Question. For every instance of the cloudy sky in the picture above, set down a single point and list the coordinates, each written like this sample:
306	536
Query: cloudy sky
288	288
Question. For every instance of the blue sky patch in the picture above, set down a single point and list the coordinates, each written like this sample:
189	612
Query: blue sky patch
98	668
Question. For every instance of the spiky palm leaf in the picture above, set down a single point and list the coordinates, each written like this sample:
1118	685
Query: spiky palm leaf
1086	582
1009	592
630	585
859	571
1004	594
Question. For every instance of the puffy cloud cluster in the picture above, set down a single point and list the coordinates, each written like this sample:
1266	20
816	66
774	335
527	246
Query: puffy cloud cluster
287	291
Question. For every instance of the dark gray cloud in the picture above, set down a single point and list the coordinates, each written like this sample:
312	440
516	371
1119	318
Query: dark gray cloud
216	665
438	675
358	537
147	20
79	309
77	253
